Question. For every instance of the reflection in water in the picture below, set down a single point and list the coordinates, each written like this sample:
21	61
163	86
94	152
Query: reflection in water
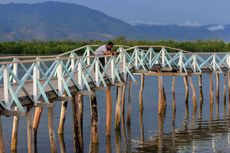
118	141
108	145
93	148
62	143
142	138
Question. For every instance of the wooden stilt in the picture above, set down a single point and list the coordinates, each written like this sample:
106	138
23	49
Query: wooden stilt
51	131
211	87
217	86
14	136
225	89
118	108
118	141
200	87
123	100
193	92
229	86
30	135
94	119
62	143
108	145
129	103
77	109
173	93
2	145
124	133
36	120
108	111
160	95
160	132
185	78
173	126
141	92
62	117
141	126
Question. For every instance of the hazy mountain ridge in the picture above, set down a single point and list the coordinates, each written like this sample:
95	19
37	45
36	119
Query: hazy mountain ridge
56	20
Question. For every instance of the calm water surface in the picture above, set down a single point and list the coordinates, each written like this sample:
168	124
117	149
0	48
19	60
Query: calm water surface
205	129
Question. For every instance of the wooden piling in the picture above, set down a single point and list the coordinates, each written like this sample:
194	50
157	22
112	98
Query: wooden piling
129	103
141	126
123	99
62	117
51	131
173	93
229	86
62	143
77	110
217	86
30	135
225	90
2	144
211	87
36	120
160	132
94	119
185	78
160	95
193	92
118	108
14	136
118	141
108	111
200	87
141	91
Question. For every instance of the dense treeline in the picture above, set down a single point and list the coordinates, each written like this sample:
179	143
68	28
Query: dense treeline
57	47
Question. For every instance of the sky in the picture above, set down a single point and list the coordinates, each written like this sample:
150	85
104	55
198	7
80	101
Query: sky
181	12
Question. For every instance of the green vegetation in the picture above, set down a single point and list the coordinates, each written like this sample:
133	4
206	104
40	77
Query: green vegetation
57	47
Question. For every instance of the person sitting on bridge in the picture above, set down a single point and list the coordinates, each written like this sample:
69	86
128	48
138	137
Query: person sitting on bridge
104	50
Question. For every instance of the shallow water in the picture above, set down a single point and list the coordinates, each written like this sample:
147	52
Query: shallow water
205	129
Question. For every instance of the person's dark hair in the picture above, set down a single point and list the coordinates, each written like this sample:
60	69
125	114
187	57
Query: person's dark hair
110	43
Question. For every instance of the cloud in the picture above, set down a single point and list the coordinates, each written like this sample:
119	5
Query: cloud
216	28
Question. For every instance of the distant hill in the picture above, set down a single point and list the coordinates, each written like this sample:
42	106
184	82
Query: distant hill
63	21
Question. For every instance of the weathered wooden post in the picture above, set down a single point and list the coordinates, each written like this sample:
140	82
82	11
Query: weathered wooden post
141	92
217	86
14	136
141	126
108	145
36	120
211	87
160	132
173	93
185	78
118	108
129	103
118	141
30	135
51	131
77	109
123	99
200	87
94	119
62	143
2	144
225	90
108	111
193	92
64	103
160	94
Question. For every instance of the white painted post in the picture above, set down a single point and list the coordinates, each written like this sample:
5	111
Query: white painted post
59	76
36	77
180	61
88	54
194	63
72	61
112	70
150	55
214	62
97	71
6	86
15	69
163	57
228	60
124	65
80	74
136	57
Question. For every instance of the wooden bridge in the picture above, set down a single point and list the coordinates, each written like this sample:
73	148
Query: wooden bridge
28	82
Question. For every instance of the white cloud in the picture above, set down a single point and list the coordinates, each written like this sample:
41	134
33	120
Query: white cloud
216	28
